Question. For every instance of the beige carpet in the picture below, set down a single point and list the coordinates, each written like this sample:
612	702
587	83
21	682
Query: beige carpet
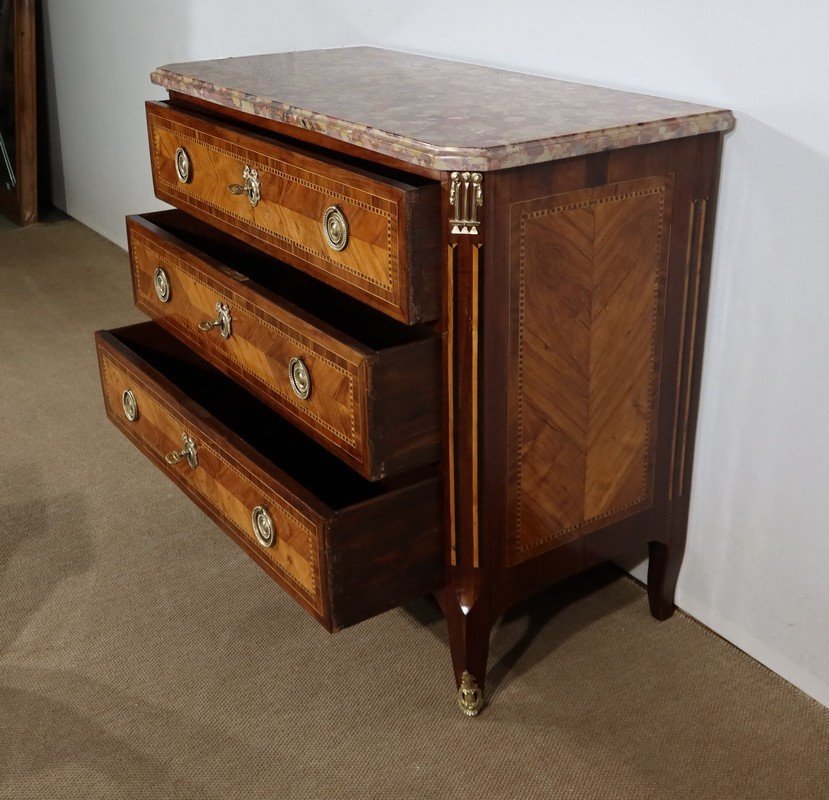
142	655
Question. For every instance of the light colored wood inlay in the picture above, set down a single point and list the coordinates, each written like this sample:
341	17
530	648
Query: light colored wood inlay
220	481
261	345
291	207
591	270
693	273
474	403
451	252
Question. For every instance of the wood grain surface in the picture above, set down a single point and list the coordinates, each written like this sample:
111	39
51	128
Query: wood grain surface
366	548
21	201
592	270
221	480
376	409
390	261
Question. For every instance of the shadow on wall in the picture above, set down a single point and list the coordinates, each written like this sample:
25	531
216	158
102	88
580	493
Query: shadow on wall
52	118
98	57
757	540
756	535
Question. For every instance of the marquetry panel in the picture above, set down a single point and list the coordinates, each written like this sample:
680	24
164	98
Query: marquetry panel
295	192
591	271
265	337
220	481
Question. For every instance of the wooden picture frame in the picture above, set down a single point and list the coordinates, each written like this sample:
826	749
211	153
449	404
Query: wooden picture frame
18	188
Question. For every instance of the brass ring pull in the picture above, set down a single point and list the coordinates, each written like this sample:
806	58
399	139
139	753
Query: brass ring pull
250	187
189	452
335	228
222	322
263	527
299	377
161	282
182	162
130	405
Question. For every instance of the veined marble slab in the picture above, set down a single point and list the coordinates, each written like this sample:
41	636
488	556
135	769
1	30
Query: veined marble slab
436	113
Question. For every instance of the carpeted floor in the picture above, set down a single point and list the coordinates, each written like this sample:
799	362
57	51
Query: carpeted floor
142	655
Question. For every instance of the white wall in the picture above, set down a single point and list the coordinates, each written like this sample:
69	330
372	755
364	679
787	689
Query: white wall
758	550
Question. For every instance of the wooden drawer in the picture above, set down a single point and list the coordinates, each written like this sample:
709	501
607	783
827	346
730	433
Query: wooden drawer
374	393
344	547
391	258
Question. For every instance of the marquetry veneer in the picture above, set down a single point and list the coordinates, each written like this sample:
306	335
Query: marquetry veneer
323	515
391	261
374	395
493	288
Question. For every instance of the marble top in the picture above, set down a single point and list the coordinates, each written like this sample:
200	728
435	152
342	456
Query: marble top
436	113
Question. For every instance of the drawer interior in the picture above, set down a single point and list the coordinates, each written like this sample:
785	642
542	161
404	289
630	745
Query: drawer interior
291	451
356	320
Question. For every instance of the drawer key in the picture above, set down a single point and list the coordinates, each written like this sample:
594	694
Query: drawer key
189	452
250	187
222	321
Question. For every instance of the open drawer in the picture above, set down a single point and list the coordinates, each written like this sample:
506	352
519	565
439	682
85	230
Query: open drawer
370	232
364	386
344	547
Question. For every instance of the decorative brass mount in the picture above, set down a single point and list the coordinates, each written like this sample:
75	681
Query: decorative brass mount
470	697
263	527
466	196
223	321
250	188
299	377
189	453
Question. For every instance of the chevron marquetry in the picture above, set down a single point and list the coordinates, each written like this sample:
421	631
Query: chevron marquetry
592	269
503	359
264	339
359	406
385	219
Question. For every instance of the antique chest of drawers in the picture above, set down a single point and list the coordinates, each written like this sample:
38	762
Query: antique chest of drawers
421	327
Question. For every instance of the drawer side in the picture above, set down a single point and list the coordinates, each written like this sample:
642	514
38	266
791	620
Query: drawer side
370	573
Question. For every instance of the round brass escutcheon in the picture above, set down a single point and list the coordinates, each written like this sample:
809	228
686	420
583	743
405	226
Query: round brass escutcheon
130	405
162	285
182	165
335	228
299	377
262	524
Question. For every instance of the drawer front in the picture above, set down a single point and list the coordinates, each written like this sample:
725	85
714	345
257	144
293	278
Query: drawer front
226	487
317	378
263	340
344	547
389	230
